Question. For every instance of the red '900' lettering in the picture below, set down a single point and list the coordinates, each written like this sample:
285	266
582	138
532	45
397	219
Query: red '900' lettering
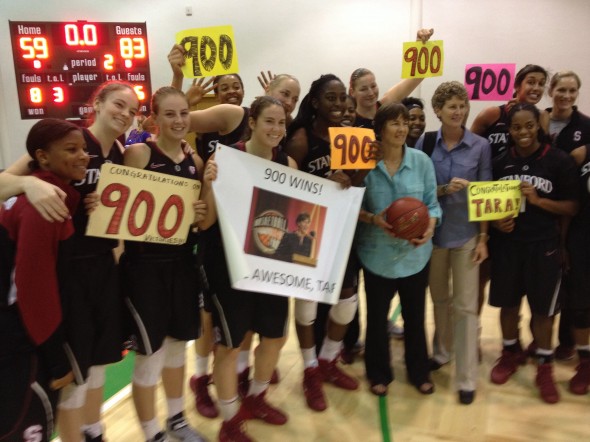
119	204
172	201
142	197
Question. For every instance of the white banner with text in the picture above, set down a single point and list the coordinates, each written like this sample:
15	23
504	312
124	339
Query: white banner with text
285	232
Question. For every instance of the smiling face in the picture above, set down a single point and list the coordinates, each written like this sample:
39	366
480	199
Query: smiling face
349	112
287	91
116	111
524	130
67	157
268	129
365	91
394	132
531	89
173	117
230	90
452	113
331	103
417	123
303	226
565	93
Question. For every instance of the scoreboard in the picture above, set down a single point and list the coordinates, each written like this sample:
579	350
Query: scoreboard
58	65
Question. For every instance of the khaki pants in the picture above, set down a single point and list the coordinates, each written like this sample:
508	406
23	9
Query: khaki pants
455	310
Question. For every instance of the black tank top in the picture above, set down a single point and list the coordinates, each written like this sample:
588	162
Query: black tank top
161	163
317	160
581	221
497	133
82	245
207	142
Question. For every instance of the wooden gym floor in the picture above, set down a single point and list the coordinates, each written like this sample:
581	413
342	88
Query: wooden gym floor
508	413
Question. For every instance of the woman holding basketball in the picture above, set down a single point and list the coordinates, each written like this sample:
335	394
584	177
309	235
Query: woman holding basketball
391	264
459	156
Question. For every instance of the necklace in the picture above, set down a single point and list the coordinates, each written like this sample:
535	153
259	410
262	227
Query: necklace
392	166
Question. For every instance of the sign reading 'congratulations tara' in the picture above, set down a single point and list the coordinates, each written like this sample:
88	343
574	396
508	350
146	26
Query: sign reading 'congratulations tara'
493	200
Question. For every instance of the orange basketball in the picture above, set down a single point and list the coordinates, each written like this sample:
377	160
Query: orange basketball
408	217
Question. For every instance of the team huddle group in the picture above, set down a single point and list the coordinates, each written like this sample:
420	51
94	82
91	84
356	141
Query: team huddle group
68	302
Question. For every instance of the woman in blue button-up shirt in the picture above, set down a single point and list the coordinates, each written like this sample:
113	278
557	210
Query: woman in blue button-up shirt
391	264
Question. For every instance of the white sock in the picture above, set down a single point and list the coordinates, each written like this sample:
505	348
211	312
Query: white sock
150	428
229	408
544	351
330	349
583	347
310	359
93	430
257	387
243	360
202	365
509	342
175	406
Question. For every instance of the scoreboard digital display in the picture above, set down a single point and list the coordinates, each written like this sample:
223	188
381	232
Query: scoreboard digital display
58	65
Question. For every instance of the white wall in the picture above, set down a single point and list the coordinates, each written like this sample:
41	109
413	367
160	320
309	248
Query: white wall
311	37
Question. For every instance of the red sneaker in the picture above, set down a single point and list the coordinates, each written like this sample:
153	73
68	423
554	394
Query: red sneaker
581	380
546	383
244	382
234	430
256	407
313	389
203	402
331	373
505	367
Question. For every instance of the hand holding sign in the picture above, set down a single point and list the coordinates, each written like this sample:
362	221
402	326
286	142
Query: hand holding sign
209	51
351	148
491	82
421	60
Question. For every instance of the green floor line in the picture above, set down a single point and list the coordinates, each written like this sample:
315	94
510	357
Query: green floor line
118	375
396	313
384	418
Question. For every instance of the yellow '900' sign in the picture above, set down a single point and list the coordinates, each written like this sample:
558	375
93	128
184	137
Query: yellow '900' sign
209	51
421	60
